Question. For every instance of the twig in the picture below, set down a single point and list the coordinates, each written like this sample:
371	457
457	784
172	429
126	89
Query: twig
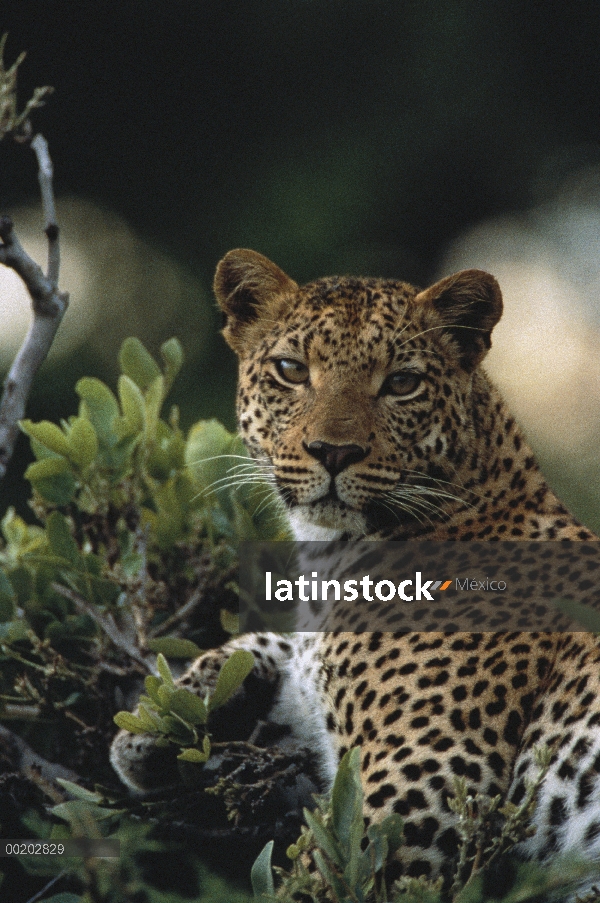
50	884
195	598
137	595
47	302
122	638
26	760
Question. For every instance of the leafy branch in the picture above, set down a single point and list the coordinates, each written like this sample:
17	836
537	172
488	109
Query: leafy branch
479	845
176	715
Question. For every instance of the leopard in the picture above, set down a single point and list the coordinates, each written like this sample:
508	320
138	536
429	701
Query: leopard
365	403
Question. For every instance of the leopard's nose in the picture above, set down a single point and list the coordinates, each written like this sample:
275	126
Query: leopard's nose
336	458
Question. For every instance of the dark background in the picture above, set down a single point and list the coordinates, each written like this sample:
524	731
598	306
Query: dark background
332	135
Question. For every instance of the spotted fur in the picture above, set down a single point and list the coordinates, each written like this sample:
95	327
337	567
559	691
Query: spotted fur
381	424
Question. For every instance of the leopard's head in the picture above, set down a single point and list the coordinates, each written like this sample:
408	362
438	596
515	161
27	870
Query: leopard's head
358	396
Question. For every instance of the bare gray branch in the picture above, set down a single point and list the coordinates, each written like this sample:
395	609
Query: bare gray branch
45	175
48	305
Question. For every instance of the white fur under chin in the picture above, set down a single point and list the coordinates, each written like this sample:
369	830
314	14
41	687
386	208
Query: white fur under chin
305	530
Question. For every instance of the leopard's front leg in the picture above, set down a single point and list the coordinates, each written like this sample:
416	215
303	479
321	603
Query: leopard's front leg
272	692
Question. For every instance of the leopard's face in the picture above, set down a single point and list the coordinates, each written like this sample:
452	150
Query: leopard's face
356	396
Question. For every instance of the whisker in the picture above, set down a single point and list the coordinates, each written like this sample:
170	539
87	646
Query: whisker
232	484
425	476
424	490
418	503
441	326
400	328
218	458
394	508
270	498
433	504
395	505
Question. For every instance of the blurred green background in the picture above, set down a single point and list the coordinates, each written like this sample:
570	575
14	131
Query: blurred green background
372	137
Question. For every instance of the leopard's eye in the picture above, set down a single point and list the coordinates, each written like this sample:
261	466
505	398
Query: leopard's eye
291	371
405	382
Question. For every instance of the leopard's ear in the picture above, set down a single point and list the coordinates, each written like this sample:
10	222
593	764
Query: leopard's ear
248	286
469	304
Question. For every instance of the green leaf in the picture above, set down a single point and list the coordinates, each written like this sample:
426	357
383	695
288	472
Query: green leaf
132	563
243	523
150	720
153	684
79	814
332	878
324	838
209	437
13	631
173	647
48	434
132	405
40	451
230	622
183	733
83	443
14	528
165	694
119	457
231	676
7	609
261	875
47	468
7	598
208	454
473	891
393	830
80	793
23	541
99	590
164	670
22	583
172	355
53	479
58	490
153	400
188	706
101	407
193	755
173	501
347	804
128	722
60	539
373	858
137	363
